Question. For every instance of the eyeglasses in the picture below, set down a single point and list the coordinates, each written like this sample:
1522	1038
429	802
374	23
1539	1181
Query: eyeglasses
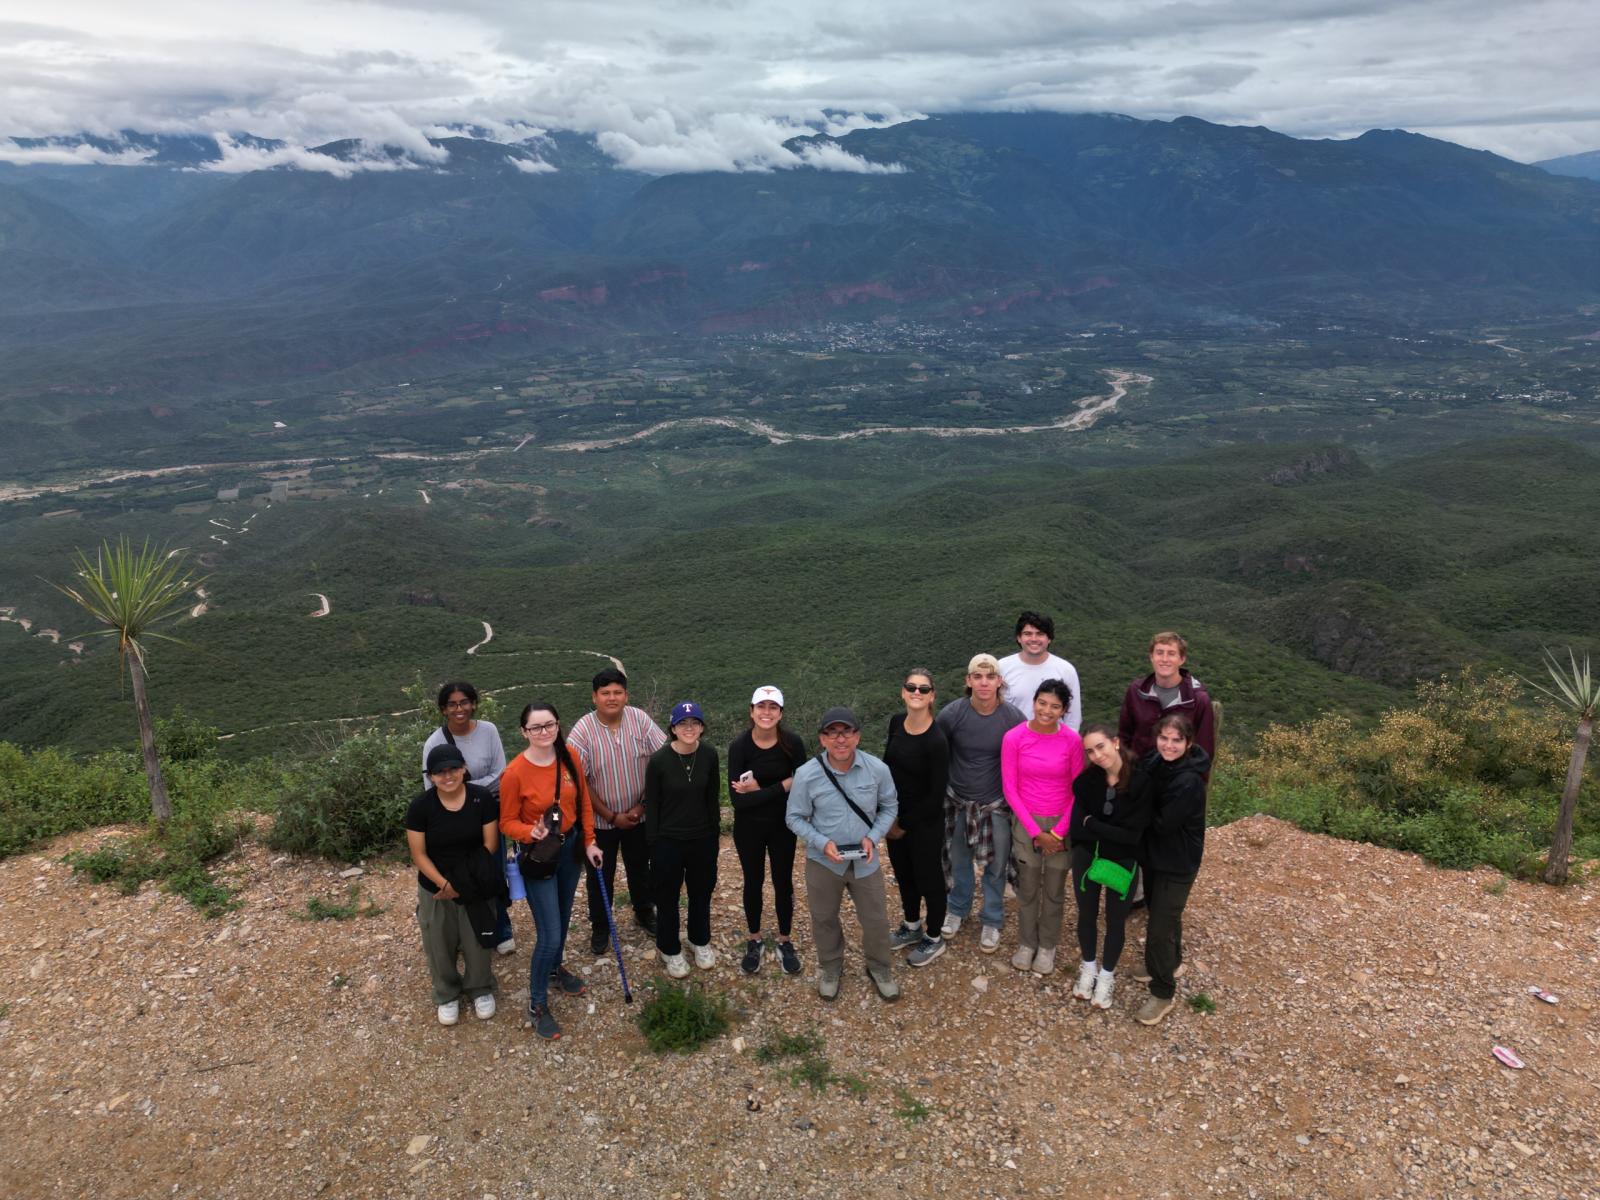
921	689
545	727
841	733
462	704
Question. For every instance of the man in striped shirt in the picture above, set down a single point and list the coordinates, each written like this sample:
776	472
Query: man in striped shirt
615	741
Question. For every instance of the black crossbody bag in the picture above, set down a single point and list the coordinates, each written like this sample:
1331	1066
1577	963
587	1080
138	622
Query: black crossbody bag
833	779
537	860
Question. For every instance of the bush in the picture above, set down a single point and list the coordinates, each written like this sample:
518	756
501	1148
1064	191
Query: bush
46	793
682	1018
179	858
352	803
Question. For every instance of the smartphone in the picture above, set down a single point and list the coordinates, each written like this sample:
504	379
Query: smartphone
747	777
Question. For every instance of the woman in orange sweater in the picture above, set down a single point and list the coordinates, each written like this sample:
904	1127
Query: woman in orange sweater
542	795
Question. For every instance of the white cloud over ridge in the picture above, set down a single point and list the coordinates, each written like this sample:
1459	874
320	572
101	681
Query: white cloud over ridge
723	84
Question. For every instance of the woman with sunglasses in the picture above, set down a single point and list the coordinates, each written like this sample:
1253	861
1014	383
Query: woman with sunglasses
761	765
485	755
1038	762
548	776
918	757
1110	810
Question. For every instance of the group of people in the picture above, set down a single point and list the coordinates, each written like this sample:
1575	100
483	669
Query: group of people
1002	786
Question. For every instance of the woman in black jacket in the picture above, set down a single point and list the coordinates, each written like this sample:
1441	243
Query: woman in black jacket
1110	809
761	766
918	758
1173	845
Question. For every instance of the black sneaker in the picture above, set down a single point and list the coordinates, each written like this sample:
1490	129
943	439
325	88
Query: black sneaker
543	1022
906	935
568	982
599	941
751	962
647	920
790	959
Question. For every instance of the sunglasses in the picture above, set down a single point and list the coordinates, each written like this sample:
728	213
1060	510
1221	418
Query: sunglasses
921	689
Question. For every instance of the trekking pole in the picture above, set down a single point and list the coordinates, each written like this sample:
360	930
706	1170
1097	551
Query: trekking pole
611	924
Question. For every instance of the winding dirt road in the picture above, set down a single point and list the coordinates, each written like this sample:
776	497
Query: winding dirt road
488	636
326	607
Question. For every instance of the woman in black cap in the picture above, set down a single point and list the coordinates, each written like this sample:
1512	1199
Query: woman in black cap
445	826
683	821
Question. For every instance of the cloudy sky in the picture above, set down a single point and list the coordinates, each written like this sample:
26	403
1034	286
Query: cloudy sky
711	84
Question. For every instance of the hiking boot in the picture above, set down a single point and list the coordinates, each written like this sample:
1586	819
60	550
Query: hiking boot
647	920
450	1013
1023	958
789	957
677	966
952	926
544	1022
1084	988
483	1006
509	946
828	982
1142	975
1044	962
1153	1009
704	956
1103	985
906	935
989	939
599	941
568	982
928	949
883	980
753	951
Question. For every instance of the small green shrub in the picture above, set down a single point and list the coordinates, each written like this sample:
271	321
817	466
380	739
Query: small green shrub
1202	1002
812	1071
789	1045
178	858
351	803
681	1019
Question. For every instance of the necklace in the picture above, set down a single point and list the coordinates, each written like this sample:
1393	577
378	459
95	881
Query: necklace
688	764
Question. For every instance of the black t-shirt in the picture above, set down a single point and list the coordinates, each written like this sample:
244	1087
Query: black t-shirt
770	768
920	766
449	837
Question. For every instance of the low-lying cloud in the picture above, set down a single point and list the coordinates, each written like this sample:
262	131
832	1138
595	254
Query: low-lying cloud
721	85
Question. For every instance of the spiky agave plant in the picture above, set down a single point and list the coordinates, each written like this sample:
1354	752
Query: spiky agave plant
128	592
1577	690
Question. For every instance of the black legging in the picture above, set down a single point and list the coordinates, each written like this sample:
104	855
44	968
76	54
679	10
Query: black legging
1087	894
757	841
917	858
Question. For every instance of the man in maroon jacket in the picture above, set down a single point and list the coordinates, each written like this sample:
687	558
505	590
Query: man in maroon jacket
1168	688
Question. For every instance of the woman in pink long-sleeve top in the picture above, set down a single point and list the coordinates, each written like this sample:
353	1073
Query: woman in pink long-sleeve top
1038	762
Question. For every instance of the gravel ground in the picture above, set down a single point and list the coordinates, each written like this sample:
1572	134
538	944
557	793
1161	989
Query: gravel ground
145	1051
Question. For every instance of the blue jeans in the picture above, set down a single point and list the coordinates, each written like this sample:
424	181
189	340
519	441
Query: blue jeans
993	912
551	903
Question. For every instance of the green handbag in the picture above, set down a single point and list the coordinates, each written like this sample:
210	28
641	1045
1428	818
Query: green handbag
1107	874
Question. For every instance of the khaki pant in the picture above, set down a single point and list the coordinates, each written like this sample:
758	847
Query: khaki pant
447	932
825	896
1041	890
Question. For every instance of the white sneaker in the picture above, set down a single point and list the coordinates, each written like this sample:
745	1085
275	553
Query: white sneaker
989	939
951	926
1044	962
1084	988
450	1013
1103	983
483	1007
509	946
677	967
704	956
1023	958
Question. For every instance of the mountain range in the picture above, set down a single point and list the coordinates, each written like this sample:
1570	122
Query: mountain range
177	278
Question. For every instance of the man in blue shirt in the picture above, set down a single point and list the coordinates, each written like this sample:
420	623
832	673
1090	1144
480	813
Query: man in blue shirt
841	804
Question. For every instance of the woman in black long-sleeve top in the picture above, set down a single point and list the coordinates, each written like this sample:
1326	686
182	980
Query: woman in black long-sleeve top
683	819
761	765
918	757
1111	800
1173	845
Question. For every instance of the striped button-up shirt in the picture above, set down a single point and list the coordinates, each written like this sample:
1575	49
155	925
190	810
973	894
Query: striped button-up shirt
614	760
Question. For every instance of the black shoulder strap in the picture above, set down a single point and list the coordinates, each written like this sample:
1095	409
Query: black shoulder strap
448	736
833	779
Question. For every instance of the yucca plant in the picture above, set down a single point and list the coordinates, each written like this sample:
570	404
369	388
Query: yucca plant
128	592
1578	690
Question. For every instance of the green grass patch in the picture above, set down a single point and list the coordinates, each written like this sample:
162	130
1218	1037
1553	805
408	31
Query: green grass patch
681	1019
179	858
909	1109
789	1045
1202	1002
318	909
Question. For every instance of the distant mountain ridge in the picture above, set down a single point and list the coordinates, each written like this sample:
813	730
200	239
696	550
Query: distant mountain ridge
994	217
1580	166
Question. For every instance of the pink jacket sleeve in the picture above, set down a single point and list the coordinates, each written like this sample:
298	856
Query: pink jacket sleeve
1011	777
1074	765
